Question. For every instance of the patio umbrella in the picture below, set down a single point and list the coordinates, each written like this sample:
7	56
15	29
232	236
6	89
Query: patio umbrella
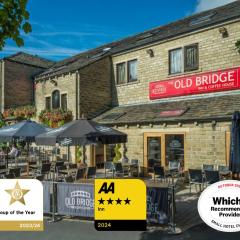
81	132
26	130
235	144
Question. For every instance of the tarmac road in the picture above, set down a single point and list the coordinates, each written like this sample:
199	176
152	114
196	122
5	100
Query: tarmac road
76	230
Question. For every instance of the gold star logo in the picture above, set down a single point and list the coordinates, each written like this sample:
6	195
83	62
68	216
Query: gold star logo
17	194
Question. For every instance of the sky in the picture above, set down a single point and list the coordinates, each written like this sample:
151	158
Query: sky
64	28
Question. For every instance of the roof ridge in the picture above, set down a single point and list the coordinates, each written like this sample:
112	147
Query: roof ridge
165	31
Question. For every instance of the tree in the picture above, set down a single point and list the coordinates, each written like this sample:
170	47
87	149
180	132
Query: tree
13	19
237	44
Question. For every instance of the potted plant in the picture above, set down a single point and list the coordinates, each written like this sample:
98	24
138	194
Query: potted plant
79	156
117	152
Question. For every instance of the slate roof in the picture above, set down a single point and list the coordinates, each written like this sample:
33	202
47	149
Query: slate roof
195	22
202	109
29	59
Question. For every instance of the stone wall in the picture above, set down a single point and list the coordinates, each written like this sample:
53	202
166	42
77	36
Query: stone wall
95	87
204	143
215	53
18	83
64	83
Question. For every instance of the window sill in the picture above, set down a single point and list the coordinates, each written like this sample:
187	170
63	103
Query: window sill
127	84
184	73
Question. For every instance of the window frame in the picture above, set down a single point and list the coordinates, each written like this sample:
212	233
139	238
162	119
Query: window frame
169	61
125	75
50	103
184	59
196	66
128	71
59	100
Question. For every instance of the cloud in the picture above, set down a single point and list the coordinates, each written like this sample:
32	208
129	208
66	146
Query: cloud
53	52
59	41
203	5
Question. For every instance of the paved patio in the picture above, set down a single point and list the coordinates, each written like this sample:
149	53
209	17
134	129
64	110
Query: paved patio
186	208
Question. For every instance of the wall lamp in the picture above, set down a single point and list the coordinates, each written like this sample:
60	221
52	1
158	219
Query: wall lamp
53	82
150	52
223	31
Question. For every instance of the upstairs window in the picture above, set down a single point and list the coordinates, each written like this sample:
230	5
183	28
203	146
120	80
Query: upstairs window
121	73
175	61
64	101
184	59
48	103
132	71
191	57
55	99
127	72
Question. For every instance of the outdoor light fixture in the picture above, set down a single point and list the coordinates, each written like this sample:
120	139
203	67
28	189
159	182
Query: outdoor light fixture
150	52
223	31
53	82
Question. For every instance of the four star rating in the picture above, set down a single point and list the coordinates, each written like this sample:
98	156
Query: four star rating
118	201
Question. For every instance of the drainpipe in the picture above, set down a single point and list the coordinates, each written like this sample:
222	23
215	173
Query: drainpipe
77	94
2	83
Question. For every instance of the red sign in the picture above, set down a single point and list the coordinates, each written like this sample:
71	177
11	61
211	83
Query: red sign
173	113
223	80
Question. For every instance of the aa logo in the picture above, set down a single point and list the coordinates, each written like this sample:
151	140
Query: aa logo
107	188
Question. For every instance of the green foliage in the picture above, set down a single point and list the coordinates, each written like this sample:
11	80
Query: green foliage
118	154
22	112
55	118
237	45
79	153
13	19
2	123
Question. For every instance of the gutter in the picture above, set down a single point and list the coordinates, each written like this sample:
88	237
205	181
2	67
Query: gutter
225	118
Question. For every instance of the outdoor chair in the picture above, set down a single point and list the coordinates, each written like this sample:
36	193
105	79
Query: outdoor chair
224	171
72	165
68	179
60	175
16	172
134	161
125	160
134	168
208	167
211	177
80	174
9	176
91	172
58	164
44	170
40	178
109	169
195	178
158	172
119	170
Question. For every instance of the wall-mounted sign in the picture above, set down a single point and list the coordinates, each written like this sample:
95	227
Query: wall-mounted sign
173	113
223	80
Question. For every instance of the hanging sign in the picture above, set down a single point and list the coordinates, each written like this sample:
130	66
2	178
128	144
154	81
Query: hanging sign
223	80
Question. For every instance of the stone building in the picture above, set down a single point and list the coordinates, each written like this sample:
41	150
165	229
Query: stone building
176	88
172	89
17	74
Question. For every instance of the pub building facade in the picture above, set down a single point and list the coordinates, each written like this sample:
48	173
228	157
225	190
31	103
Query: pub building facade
172	90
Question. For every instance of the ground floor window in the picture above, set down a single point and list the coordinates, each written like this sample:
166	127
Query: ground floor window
163	148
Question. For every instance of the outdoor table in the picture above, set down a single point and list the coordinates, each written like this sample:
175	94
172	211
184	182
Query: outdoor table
3	172
68	171
35	166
